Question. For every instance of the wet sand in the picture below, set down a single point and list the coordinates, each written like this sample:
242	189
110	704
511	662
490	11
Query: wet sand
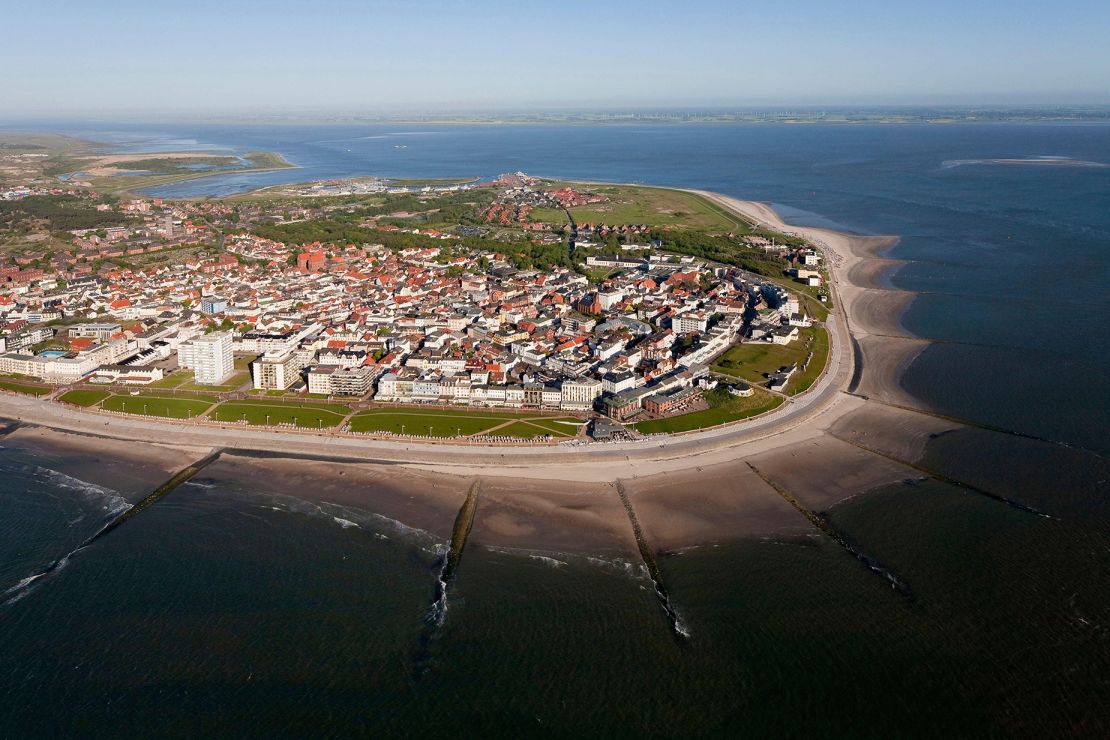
896	432
534	515
826	471
133	469
415	498
710	506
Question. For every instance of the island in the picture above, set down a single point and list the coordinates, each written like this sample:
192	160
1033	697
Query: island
522	318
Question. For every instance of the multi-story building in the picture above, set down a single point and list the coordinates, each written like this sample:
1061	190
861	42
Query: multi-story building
209	357
340	381
103	332
277	369
688	323
579	394
213	304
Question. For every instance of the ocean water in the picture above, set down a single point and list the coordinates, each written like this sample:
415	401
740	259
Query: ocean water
227	609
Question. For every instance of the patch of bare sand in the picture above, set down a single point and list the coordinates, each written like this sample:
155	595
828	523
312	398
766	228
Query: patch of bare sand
874	311
556	516
826	471
895	432
712	505
872	273
416	498
885	360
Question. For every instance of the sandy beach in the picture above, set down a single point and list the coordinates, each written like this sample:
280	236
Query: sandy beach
688	489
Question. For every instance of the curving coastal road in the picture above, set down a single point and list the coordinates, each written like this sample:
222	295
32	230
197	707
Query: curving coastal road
798	419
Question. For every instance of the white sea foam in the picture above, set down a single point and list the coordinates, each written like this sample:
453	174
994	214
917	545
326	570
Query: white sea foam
549	561
345	523
107	500
27	585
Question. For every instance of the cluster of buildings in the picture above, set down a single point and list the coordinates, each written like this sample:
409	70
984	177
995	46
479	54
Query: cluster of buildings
365	186
401	327
423	325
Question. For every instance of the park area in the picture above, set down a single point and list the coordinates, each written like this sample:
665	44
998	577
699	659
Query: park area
17	387
183	380
752	362
261	413
148	405
462	423
631	204
84	397
723	408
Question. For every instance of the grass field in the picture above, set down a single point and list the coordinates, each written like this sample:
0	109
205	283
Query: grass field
30	390
751	361
84	397
185	380
426	424
723	409
258	413
819	346
557	427
631	204
444	423
173	408
173	380
525	430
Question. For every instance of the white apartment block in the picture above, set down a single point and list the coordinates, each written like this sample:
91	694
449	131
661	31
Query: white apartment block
579	394
277	369
209	357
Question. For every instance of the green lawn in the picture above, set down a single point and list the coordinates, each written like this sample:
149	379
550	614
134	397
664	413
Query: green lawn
186	381
525	430
752	361
723	409
632	204
84	397
819	346
232	384
309	416
31	390
173	380
336	408
173	408
443	424
556	428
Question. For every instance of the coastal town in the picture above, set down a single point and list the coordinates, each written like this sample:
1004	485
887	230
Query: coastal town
517	309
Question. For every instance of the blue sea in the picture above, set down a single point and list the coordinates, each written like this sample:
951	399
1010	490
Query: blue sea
219	610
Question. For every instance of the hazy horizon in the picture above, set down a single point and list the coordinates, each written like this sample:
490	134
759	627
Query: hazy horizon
387	58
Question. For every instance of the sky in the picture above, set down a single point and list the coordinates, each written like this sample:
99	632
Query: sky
426	56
